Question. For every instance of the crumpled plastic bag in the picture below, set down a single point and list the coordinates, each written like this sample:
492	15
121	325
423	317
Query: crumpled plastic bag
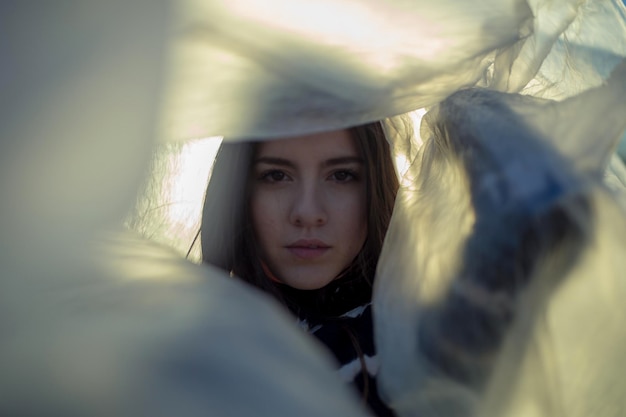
503	297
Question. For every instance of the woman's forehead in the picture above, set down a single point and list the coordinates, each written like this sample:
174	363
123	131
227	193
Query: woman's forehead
330	144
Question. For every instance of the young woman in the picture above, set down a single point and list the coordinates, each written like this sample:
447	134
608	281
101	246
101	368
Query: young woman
304	219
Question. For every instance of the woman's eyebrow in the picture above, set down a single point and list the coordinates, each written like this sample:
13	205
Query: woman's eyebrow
271	160
343	160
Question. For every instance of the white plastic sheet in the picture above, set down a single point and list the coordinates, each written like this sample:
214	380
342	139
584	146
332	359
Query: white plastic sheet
102	323
493	280
78	109
262	69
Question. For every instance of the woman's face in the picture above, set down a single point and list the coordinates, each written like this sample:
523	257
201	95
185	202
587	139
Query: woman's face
308	206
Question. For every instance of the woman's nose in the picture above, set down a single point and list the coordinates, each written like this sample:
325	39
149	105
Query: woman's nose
308	208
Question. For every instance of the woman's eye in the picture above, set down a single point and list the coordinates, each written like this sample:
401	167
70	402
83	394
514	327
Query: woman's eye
273	176
343	176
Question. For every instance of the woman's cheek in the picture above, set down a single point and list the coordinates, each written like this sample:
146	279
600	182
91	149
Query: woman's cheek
350	200
266	210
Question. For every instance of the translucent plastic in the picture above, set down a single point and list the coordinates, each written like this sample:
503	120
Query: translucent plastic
501	282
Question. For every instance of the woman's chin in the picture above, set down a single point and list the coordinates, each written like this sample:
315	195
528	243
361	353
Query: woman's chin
311	279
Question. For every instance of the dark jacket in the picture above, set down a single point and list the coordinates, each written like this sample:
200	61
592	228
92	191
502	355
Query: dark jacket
340	316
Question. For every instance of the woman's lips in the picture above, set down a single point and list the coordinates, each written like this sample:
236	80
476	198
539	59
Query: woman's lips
307	253
308	248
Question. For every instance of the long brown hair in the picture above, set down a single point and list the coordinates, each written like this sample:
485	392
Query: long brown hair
227	235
